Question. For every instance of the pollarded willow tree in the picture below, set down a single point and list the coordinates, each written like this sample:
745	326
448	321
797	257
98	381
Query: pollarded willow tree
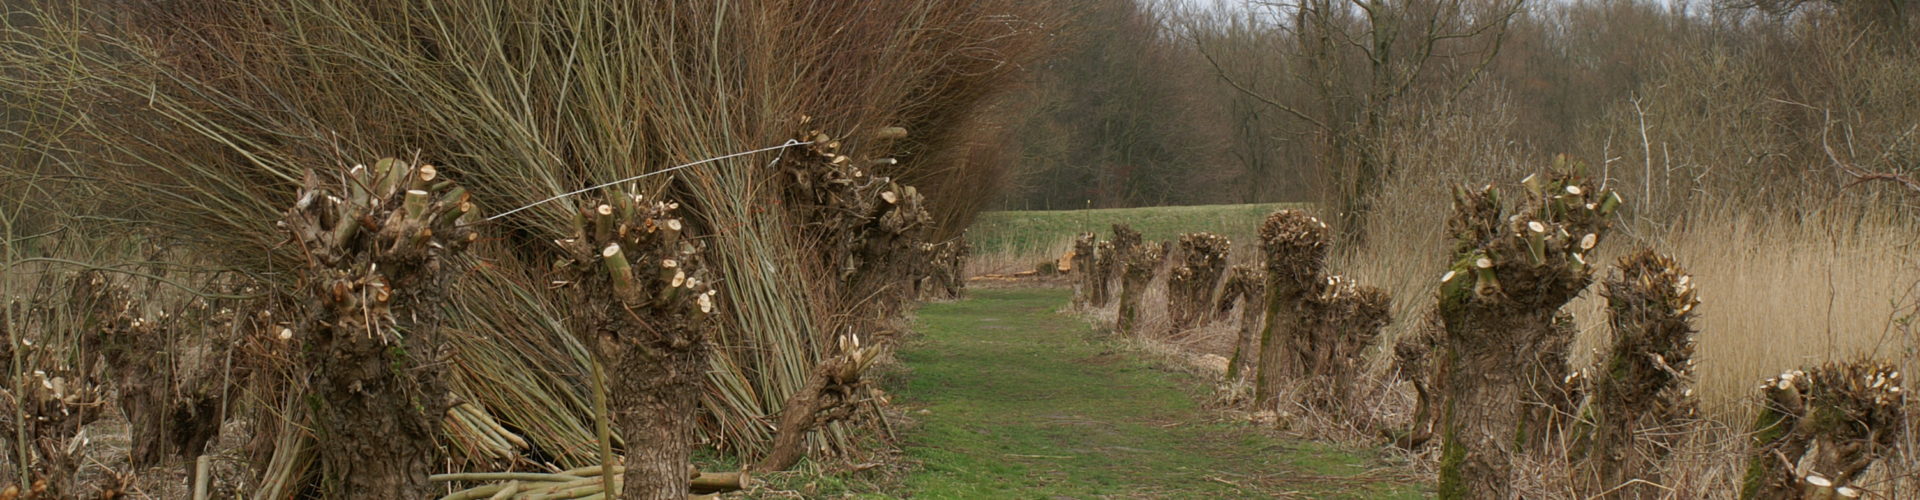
1641	385
644	303
1499	304
1199	265
1246	288
1347	318
381	245
1316	325
1295	245
1106	262
1085	276
1819	430
1142	263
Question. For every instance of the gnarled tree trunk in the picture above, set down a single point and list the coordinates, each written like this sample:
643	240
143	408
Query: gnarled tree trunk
1650	302
381	247
1499	304
646	309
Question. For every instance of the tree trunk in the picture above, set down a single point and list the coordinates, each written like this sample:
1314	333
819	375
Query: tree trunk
1482	411
1246	346
380	251
1280	343
654	402
1478	442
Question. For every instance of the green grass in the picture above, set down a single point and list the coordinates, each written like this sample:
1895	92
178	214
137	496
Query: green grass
1033	232
1022	402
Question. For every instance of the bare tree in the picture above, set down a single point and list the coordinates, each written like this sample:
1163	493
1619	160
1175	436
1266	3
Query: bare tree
1358	64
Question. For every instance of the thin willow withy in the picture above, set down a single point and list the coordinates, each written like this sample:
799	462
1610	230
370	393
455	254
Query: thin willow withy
788	144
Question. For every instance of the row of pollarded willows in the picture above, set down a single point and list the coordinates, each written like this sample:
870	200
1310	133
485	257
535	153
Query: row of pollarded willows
1302	330
1494	382
1491	368
367	381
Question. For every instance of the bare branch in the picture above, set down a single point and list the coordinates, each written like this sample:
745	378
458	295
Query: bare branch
1217	69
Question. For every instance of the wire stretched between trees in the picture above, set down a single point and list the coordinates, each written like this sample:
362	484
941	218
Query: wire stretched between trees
788	144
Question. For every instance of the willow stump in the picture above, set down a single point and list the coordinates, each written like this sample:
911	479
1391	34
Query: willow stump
1295	248
380	247
1640	386
1200	263
1818	430
1499	302
1140	267
1246	289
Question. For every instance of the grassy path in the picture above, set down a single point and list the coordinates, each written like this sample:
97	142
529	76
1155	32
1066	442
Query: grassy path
1024	402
